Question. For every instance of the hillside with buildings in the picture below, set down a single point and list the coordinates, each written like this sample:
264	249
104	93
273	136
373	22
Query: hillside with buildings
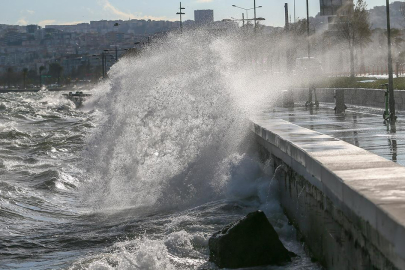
82	49
378	16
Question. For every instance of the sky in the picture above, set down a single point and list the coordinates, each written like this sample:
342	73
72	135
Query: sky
43	12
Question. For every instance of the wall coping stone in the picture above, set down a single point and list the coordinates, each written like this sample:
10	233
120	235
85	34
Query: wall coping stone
370	186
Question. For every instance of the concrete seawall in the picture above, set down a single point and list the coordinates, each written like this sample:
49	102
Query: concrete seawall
354	96
347	203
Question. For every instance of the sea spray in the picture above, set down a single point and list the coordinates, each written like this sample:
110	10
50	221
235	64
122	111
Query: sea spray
168	163
170	121
62	211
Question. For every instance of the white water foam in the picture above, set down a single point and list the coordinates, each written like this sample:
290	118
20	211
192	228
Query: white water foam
171	121
172	134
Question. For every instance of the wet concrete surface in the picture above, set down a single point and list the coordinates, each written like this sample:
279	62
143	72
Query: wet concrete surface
347	201
360	126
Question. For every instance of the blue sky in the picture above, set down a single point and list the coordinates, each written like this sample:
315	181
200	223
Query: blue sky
43	12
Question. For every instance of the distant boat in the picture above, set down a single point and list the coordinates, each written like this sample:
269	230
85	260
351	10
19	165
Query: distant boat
78	98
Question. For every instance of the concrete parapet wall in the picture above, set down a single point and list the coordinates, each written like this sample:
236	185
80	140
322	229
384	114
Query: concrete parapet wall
347	203
354	96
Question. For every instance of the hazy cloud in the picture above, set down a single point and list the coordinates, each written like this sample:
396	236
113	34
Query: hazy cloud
46	22
55	22
204	1
22	21
24	14
119	13
125	15
70	23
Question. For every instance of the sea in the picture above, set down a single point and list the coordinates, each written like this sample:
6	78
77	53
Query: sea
158	159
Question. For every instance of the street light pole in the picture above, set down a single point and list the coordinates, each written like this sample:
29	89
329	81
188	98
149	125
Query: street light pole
102	64
245	9
254	6
116	50
286	24
247	14
309	45
181	13
390	69
105	65
310	86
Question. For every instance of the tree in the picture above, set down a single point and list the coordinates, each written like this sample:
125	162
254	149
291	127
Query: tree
403	10
352	24
396	37
55	70
41	68
25	72
362	28
299	28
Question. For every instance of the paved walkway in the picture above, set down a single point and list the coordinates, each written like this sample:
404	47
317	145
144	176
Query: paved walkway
360	126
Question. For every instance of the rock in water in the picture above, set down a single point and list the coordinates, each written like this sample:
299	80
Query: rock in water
251	241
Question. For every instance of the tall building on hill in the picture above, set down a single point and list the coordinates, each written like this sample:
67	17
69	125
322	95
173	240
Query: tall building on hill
32	28
202	17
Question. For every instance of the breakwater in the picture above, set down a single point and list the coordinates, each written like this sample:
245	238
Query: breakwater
346	202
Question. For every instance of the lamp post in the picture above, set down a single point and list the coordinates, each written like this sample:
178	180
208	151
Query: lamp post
105	54
103	63
310	87
143	42
309	45
390	70
181	13
104	60
116	49
247	9
254	6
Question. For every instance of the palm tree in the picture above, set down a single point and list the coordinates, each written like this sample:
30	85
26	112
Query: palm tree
25	71
41	68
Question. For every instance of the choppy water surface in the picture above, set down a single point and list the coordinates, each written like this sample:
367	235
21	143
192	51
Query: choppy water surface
157	161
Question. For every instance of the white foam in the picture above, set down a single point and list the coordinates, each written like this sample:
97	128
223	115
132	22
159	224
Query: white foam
168	128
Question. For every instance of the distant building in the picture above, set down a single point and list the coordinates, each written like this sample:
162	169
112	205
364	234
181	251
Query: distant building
32	28
202	17
332	7
14	38
115	36
378	17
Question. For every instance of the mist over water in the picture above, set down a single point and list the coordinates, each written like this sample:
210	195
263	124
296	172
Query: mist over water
172	149
158	159
173	116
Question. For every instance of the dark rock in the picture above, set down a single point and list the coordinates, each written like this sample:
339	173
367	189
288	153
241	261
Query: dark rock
251	241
